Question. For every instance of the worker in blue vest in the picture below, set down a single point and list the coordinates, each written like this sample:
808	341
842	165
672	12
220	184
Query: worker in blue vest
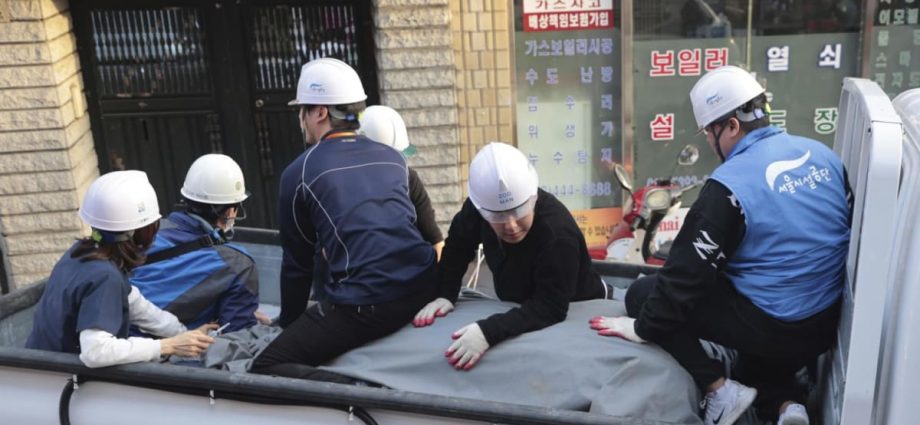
758	265
192	269
88	304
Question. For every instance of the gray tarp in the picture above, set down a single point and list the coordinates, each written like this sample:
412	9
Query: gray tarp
565	366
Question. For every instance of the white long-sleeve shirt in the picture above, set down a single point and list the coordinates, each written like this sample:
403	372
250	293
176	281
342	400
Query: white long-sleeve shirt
99	348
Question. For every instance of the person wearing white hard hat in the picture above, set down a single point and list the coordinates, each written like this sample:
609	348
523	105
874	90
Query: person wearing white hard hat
192	268
88	303
758	265
384	125
345	198
537	255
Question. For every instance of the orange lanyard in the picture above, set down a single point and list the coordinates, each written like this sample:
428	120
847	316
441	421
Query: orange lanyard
336	134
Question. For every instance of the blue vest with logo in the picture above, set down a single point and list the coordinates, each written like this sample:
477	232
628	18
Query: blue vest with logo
793	195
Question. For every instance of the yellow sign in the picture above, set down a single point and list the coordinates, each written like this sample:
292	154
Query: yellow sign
597	224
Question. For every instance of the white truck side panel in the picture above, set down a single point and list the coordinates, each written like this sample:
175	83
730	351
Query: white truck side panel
899	389
36	401
868	139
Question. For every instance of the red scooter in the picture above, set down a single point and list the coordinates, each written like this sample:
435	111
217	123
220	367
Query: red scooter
631	240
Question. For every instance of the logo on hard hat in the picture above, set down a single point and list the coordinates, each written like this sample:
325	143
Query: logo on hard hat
711	100
317	87
505	197
141	208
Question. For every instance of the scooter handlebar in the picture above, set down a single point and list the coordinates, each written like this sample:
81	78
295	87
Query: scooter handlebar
687	188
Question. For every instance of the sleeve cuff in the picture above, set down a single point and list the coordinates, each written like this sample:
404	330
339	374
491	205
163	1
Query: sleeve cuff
641	331
488	332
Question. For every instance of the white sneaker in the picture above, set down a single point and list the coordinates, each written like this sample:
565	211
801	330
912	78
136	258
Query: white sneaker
725	405
795	414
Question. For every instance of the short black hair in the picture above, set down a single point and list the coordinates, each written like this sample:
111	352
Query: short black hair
342	117
346	116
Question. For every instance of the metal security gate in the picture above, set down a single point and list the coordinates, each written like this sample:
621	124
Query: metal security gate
168	81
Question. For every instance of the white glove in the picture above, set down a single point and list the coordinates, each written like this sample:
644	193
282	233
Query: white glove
623	327
469	346
437	308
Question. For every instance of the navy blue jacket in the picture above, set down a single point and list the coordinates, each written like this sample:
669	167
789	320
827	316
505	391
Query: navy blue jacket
80	296
347	198
214	284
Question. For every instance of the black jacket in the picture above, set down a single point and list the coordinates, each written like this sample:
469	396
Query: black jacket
690	274
425	220
548	269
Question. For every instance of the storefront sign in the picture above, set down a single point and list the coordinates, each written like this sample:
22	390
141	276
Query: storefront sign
567	15
895	52
568	113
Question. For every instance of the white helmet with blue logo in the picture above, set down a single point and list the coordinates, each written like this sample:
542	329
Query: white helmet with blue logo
720	92
328	81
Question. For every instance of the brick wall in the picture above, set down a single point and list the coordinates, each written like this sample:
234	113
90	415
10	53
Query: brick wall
481	40
417	73
46	147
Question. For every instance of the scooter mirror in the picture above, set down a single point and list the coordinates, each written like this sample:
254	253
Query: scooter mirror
688	155
623	177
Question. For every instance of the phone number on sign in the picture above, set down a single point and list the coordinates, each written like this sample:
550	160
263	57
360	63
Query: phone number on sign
680	180
586	189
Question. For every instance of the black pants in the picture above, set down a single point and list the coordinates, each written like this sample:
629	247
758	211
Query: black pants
770	351
327	330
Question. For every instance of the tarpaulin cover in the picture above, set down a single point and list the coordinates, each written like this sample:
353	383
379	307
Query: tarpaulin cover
565	366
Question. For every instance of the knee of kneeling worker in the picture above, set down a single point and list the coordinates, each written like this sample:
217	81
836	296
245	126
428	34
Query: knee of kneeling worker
637	293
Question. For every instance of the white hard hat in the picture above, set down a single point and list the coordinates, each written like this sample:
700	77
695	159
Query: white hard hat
328	81
501	179
215	179
120	201
721	92
383	124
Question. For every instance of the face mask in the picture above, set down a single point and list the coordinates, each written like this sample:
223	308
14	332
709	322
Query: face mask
228	229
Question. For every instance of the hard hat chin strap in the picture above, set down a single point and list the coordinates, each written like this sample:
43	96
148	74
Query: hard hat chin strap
718	135
742	117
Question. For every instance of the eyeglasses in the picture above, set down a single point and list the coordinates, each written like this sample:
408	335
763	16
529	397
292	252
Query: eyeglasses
513	214
706	130
240	213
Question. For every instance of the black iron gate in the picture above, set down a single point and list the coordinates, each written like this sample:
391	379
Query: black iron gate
168	81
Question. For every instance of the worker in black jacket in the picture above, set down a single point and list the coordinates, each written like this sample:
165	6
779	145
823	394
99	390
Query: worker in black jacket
383	124
532	245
